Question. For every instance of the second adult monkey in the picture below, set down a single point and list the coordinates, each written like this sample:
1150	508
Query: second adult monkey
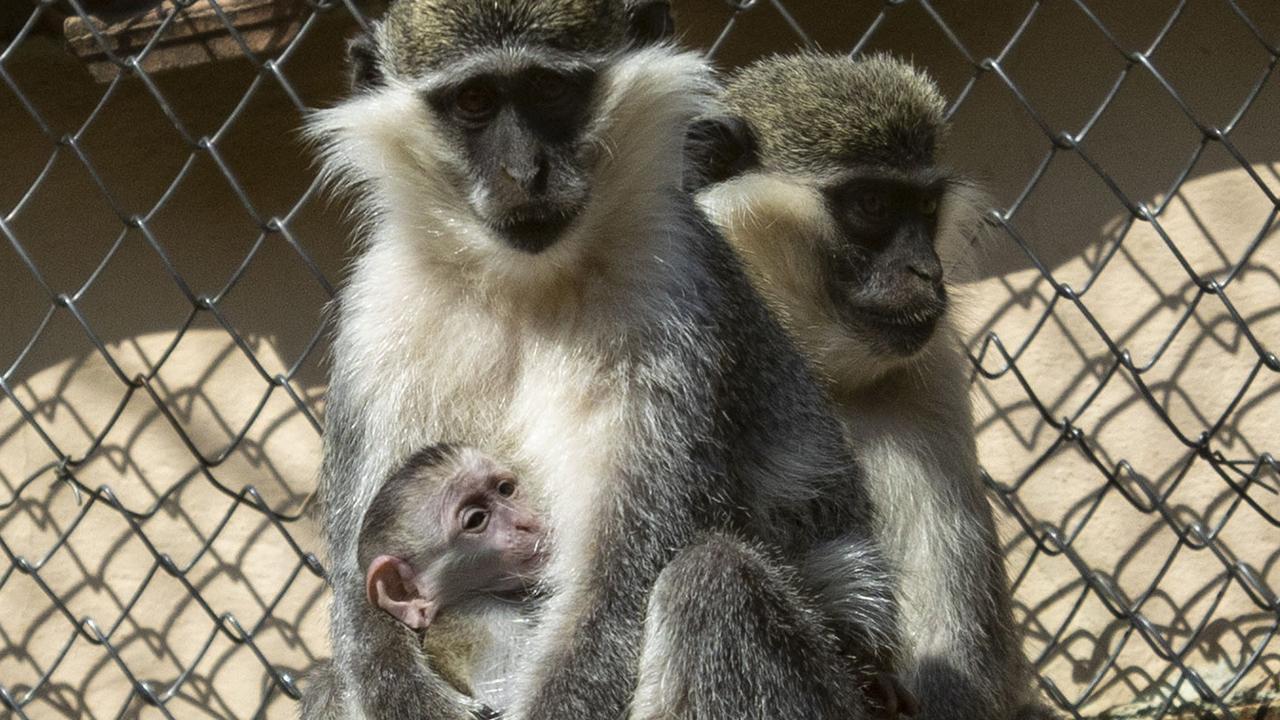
533	280
825	180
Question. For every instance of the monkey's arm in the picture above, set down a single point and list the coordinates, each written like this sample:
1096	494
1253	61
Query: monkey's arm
730	635
390	684
393	680
321	700
377	663
745	637
850	579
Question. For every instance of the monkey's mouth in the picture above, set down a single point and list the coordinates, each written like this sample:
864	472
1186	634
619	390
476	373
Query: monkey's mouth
536	560
517	587
533	231
903	331
525	577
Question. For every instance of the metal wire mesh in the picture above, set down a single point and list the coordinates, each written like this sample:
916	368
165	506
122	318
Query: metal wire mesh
164	284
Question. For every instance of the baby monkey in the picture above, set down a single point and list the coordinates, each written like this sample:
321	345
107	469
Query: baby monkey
452	550
451	531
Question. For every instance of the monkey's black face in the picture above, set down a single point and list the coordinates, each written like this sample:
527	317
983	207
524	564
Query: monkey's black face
523	133
885	277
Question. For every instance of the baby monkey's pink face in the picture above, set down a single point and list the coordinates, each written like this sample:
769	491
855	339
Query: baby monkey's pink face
497	543
475	533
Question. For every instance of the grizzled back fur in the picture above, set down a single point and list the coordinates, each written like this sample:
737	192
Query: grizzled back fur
814	113
422	35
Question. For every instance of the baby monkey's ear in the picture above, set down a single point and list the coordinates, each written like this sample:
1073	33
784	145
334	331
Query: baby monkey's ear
390	584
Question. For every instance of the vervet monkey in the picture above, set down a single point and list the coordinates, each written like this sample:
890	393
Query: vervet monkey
824	178
450	548
533	280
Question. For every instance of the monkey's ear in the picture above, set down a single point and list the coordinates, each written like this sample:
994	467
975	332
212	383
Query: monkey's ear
362	57
390	585
650	22
716	149
890	697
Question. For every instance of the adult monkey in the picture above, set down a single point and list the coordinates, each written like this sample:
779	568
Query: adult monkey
824	179
533	281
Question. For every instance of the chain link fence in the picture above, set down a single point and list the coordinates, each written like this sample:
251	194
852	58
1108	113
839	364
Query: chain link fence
166	256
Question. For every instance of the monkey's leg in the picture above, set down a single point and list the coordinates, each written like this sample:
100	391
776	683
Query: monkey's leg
728	637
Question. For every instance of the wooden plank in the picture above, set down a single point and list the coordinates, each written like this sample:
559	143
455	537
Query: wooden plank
198	34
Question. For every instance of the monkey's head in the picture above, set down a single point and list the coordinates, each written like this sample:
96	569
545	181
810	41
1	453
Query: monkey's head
449	524
420	35
824	177
495	117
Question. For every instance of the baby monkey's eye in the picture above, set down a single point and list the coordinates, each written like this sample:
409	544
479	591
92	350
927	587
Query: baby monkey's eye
929	207
474	519
507	488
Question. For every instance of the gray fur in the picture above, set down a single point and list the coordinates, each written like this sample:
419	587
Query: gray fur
689	671
322	699
630	370
423	35
907	418
815	113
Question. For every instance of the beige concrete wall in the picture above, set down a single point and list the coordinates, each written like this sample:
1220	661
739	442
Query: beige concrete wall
212	389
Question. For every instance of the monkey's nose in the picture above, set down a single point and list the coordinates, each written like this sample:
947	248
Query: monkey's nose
509	182
528	524
528	179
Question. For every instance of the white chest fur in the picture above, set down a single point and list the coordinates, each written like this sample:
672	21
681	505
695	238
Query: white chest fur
438	364
914	438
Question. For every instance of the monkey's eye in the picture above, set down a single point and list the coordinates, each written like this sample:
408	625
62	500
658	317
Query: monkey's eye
929	207
476	102
872	205
474	519
507	488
